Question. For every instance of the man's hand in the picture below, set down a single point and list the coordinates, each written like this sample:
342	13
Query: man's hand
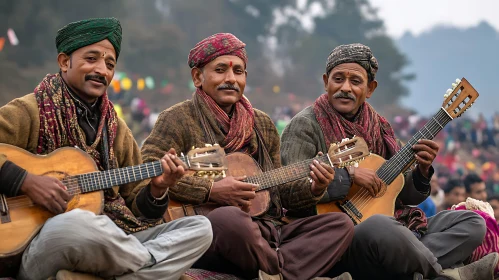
322	175
47	192
426	151
173	170
368	179
231	191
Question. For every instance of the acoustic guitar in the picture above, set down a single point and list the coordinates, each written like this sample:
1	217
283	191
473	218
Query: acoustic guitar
20	219
359	204
348	152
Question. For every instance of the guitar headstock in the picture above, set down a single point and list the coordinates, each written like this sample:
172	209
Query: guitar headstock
209	158
459	98
348	151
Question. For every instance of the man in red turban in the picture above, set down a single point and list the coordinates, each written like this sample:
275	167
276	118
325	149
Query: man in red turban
220	113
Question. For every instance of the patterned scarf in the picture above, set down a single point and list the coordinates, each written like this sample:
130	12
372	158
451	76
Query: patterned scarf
380	138
239	128
59	123
59	128
368	124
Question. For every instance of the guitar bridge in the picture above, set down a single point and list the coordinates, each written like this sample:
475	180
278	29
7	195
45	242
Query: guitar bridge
4	210
348	208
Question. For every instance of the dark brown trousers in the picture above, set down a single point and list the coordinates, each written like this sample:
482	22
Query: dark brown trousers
303	249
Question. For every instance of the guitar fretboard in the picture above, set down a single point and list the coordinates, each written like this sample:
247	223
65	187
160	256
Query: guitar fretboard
285	174
400	161
95	181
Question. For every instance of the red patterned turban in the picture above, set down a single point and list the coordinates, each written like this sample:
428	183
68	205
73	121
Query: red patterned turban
214	46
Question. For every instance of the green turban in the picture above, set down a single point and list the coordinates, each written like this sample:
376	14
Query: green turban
86	32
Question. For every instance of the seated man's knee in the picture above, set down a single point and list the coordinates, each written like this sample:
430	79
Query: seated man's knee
232	221
203	228
376	228
74	226
65	234
476	227
229	215
335	219
72	220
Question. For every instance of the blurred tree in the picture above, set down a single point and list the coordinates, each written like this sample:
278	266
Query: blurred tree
159	34
341	22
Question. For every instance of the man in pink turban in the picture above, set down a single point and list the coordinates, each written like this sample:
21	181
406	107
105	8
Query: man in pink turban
220	113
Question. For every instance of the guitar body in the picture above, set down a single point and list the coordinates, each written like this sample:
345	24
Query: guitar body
367	205
26	219
239	164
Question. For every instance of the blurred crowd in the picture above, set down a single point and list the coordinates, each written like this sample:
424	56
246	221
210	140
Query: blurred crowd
467	163
137	113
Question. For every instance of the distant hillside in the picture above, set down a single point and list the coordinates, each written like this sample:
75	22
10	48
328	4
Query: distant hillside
443	54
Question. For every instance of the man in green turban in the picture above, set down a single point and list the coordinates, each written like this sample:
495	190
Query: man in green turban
71	109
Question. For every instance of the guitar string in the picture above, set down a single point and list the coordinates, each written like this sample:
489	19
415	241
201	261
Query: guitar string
363	197
280	173
74	183
86	182
83	182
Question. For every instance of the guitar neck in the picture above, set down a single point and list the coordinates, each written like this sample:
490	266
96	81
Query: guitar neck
285	174
389	171
96	181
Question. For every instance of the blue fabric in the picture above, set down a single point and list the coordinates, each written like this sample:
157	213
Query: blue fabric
428	207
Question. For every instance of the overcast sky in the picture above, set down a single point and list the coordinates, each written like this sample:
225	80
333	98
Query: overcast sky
420	15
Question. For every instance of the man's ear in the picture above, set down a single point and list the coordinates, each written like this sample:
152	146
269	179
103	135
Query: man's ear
371	87
197	77
325	78
64	62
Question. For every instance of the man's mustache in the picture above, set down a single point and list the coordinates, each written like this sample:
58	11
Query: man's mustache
96	78
347	95
228	86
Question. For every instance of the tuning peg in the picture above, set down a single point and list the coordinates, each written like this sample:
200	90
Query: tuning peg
454	85
458	81
182	154
216	145
208	145
447	93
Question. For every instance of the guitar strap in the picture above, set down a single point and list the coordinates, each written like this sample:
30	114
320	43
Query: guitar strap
105	149
263	154
105	158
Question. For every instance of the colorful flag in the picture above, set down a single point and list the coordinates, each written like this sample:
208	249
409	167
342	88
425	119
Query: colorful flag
12	37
